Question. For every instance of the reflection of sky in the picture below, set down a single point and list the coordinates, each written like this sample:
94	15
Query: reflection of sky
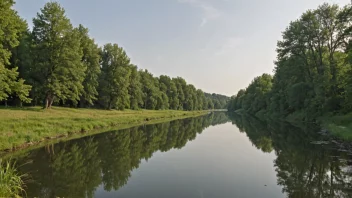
220	163
347	171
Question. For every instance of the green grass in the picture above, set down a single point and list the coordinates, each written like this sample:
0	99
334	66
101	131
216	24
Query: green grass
338	125
11	183
23	126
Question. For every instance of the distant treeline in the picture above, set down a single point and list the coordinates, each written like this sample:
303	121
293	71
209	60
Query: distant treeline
313	74
59	64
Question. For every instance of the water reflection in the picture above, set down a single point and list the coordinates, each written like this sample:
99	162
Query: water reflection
77	168
221	163
303	169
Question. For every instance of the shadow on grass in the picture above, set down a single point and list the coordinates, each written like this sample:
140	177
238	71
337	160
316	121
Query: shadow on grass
339	125
36	109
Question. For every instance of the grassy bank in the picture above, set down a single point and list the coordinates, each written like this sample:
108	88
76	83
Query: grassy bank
338	125
31	125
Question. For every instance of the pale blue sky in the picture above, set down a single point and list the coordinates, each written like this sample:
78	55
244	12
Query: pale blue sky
216	45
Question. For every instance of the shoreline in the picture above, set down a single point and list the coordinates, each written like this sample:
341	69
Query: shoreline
338	126
33	127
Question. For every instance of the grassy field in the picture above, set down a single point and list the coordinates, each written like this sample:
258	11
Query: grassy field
339	125
24	126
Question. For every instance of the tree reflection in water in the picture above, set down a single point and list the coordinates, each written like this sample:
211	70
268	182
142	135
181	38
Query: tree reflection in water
77	168
303	169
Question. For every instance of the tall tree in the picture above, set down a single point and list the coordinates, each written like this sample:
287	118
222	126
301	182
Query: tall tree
161	95
168	87
135	88
190	98
90	60
58	55
150	91
201	100
210	104
181	88
115	78
11	27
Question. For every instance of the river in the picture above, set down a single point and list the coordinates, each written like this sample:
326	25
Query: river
213	156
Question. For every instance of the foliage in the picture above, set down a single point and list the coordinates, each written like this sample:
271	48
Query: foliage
115	78
135	88
90	60
11	182
150	90
64	66
218	101
338	125
254	98
11	27
313	67
57	52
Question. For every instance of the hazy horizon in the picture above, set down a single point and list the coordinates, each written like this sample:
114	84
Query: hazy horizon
218	46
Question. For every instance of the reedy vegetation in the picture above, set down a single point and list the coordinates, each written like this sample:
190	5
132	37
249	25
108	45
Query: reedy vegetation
313	70
59	64
11	182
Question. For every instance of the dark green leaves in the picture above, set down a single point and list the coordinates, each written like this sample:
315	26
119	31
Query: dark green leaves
65	66
313	68
59	54
11	27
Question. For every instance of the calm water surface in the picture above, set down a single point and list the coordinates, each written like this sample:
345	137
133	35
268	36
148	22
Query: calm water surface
215	156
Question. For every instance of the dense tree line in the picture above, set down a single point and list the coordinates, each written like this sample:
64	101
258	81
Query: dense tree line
313	69
219	101
56	63
77	168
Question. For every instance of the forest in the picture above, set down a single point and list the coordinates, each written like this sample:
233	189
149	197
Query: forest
56	63
312	75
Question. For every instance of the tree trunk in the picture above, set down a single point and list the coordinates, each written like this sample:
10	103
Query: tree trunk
46	103
109	104
81	103
51	101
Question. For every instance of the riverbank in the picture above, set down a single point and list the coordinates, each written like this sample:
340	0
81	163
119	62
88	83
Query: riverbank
22	127
338	125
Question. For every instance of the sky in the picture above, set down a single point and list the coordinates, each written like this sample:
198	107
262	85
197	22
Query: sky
218	46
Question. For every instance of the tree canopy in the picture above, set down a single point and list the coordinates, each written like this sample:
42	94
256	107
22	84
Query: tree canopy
11	28
313	69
